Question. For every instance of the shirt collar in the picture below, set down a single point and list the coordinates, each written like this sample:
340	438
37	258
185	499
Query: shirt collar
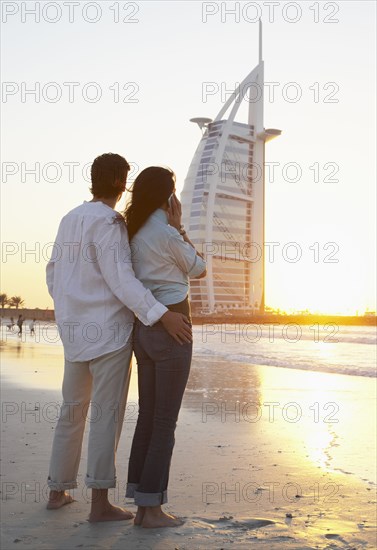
102	204
161	215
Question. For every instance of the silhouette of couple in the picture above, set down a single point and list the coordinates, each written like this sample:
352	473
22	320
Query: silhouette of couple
106	267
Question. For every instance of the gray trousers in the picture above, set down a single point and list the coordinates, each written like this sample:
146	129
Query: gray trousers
104	383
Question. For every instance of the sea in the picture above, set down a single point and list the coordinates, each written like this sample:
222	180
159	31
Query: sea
342	349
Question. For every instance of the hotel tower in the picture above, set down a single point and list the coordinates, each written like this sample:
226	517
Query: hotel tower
223	201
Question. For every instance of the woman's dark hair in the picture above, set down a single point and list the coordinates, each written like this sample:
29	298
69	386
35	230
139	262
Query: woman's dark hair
151	189
108	175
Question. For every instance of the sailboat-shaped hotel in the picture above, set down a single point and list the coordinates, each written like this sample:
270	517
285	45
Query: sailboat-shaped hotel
223	202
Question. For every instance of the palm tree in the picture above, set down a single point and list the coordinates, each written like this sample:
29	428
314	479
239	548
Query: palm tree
3	300
16	301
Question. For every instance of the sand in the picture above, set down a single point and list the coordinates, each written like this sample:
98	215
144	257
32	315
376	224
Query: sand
250	469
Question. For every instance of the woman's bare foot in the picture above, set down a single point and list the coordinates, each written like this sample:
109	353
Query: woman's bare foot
110	513
139	515
57	499
154	518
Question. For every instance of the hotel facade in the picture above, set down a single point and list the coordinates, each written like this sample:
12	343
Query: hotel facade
223	201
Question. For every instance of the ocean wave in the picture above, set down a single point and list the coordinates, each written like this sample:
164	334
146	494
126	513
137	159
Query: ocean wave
291	363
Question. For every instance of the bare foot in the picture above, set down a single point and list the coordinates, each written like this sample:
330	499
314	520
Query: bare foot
153	520
110	513
139	515
57	499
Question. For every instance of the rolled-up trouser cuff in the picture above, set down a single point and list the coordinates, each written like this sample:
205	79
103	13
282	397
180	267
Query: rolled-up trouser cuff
150	499
61	486
130	489
99	483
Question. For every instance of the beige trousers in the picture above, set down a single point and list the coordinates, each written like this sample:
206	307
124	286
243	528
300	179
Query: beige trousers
104	383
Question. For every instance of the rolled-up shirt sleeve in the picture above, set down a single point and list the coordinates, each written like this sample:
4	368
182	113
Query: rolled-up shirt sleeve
186	257
116	267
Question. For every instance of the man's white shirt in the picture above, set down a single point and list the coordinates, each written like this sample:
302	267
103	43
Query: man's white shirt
93	285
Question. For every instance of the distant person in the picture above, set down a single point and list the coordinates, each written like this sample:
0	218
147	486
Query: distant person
163	261
95	292
11	324
20	322
31	327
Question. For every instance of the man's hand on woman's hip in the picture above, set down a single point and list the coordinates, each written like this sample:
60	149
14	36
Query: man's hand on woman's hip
178	326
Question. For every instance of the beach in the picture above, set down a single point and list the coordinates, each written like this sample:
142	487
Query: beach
265	457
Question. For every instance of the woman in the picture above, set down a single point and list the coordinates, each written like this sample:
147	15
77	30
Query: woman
163	259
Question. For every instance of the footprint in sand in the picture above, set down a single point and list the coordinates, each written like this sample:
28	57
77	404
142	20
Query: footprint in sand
245	524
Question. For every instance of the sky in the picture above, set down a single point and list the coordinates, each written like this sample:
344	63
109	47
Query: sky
126	77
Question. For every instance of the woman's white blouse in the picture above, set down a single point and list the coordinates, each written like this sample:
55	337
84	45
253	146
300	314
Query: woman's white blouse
163	261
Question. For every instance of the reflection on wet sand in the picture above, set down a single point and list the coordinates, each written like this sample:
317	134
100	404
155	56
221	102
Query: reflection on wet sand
314	413
220	382
260	458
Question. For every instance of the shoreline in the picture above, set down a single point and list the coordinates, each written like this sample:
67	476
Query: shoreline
286	319
231	317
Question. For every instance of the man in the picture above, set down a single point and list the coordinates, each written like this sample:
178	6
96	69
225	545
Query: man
94	288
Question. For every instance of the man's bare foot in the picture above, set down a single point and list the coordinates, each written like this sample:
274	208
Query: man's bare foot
154	518
57	499
110	513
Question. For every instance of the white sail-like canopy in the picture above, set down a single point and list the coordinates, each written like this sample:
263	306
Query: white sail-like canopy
223	200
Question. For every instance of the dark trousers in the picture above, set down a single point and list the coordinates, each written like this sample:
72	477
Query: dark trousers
163	371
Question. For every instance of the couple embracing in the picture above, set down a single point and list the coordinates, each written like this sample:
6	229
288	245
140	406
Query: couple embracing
105	268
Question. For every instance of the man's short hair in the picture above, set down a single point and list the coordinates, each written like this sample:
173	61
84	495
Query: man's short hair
108	174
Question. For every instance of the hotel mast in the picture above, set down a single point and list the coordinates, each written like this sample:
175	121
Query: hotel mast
223	201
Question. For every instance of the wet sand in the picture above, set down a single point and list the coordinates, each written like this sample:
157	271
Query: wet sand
265	457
